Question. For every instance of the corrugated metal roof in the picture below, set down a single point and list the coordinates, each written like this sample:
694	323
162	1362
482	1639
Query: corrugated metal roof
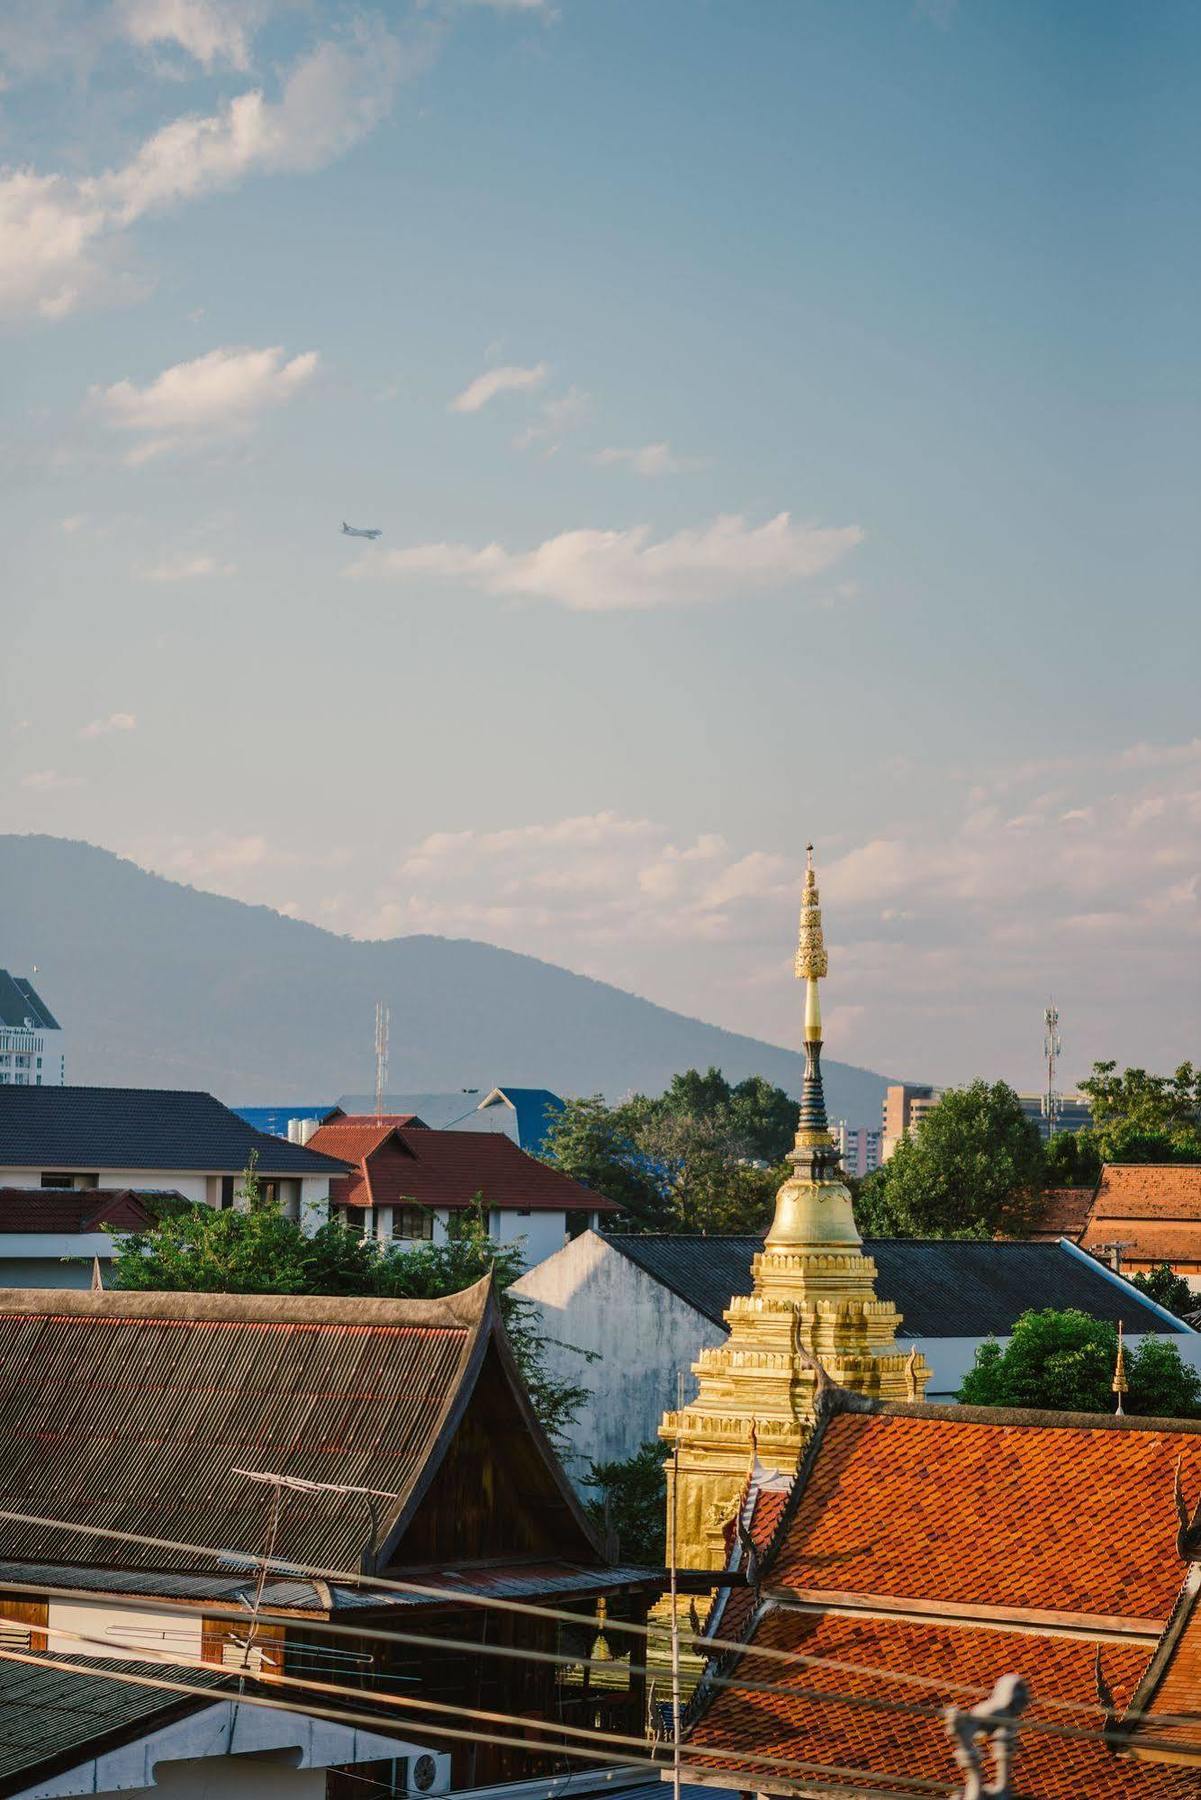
131	1411
943	1287
139	1128
45	1714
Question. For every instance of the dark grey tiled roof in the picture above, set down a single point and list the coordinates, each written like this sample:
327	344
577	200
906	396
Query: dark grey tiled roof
55	1717
140	1128
943	1287
19	1000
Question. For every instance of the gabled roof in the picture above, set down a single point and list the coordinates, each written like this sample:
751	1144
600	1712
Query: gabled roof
131	1411
534	1109
408	1167
84	1209
140	1128
19	1000
1164	1715
53	1718
1065	1213
1154	1209
923	1552
943	1287
468	1109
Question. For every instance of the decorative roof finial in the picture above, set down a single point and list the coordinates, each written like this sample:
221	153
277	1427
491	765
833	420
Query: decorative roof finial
1119	1384
811	959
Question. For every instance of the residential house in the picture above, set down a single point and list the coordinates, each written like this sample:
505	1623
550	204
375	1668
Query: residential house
671	1295
922	1553
1147	1213
32	1050
409	1182
54	1239
520	1113
426	1496
85	1728
155	1139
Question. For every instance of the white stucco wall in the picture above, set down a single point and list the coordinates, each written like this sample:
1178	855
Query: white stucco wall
190	1185
35	1259
541	1233
593	1298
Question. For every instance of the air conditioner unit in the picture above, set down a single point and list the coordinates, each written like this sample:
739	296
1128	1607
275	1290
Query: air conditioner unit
428	1772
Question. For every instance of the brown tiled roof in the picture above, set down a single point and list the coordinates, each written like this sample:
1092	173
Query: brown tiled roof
976	1506
418	1167
1154	1208
85	1209
861	1728
131	1411
1064	1214
1166	1709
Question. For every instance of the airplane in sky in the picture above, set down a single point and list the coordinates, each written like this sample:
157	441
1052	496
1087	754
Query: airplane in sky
357	531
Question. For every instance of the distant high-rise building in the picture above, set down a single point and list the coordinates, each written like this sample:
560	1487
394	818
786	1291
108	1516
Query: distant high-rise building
858	1147
906	1105
31	1038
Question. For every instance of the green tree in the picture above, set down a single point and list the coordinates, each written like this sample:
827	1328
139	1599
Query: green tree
974	1168
1163	1285
1064	1362
632	1501
258	1251
1169	1104
1073	1160
595	1144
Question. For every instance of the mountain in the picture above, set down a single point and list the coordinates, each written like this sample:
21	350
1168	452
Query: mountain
161	985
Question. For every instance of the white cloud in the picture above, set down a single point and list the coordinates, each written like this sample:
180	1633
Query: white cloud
648	459
511	378
62	239
221	394
558	414
601	571
118	721
46	781
186	568
210	31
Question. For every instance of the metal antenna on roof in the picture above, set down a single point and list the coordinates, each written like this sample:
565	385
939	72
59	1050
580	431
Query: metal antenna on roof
381	1057
1052	1049
297	1484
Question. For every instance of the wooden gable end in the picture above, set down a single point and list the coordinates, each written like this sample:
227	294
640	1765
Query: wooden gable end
498	1491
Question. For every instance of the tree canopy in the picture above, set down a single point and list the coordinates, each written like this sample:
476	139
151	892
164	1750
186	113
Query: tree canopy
974	1168
1166	1288
258	1251
706	1156
1137	1118
632	1501
1065	1361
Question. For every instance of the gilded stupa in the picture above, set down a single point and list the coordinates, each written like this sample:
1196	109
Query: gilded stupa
813	1315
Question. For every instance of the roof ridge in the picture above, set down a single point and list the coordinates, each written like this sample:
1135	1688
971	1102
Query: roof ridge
843	1400
463	1310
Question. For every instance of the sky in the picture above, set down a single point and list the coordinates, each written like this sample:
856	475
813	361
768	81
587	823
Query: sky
781	417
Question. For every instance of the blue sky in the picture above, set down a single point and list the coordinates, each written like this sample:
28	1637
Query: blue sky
782	418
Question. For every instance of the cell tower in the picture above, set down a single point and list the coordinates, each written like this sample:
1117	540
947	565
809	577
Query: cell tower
381	1057
1052	1050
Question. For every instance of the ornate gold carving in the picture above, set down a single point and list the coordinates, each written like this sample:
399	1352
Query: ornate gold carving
811	959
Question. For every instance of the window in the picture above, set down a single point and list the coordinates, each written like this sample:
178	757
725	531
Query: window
58	1181
413	1222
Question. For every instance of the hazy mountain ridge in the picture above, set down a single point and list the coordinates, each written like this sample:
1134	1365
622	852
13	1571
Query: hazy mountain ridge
159	984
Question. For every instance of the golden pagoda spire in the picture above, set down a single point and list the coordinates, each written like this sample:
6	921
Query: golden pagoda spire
1119	1385
812	1318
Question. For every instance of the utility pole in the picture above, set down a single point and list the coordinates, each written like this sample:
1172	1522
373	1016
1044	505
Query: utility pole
1114	1251
1052	1050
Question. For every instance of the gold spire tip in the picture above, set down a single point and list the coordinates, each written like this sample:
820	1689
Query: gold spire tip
811	959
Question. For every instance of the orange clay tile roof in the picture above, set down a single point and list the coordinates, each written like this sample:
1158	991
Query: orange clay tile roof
762	1512
1065	1213
961	1505
1169	1698
860	1728
1154	1208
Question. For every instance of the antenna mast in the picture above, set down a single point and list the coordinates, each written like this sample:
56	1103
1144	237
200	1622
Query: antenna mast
1052	1050
381	1057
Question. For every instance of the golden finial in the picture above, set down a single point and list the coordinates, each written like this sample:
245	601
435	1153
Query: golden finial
811	959
1119	1384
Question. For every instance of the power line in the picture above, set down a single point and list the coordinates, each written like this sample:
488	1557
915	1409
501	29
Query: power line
459	1599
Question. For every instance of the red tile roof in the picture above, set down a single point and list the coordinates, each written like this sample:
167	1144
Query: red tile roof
1064	1214
1155	1208
959	1504
418	1167
862	1728
1166	1710
60	1210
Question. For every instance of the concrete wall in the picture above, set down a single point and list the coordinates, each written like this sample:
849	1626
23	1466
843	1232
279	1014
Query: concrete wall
123	1630
590	1297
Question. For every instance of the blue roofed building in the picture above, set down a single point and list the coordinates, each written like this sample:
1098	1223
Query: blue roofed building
521	1113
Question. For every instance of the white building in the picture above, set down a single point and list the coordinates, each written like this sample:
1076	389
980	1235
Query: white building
31	1038
858	1146
647	1306
159	1140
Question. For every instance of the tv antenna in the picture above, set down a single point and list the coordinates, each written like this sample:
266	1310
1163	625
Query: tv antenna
381	1057
1052	1051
